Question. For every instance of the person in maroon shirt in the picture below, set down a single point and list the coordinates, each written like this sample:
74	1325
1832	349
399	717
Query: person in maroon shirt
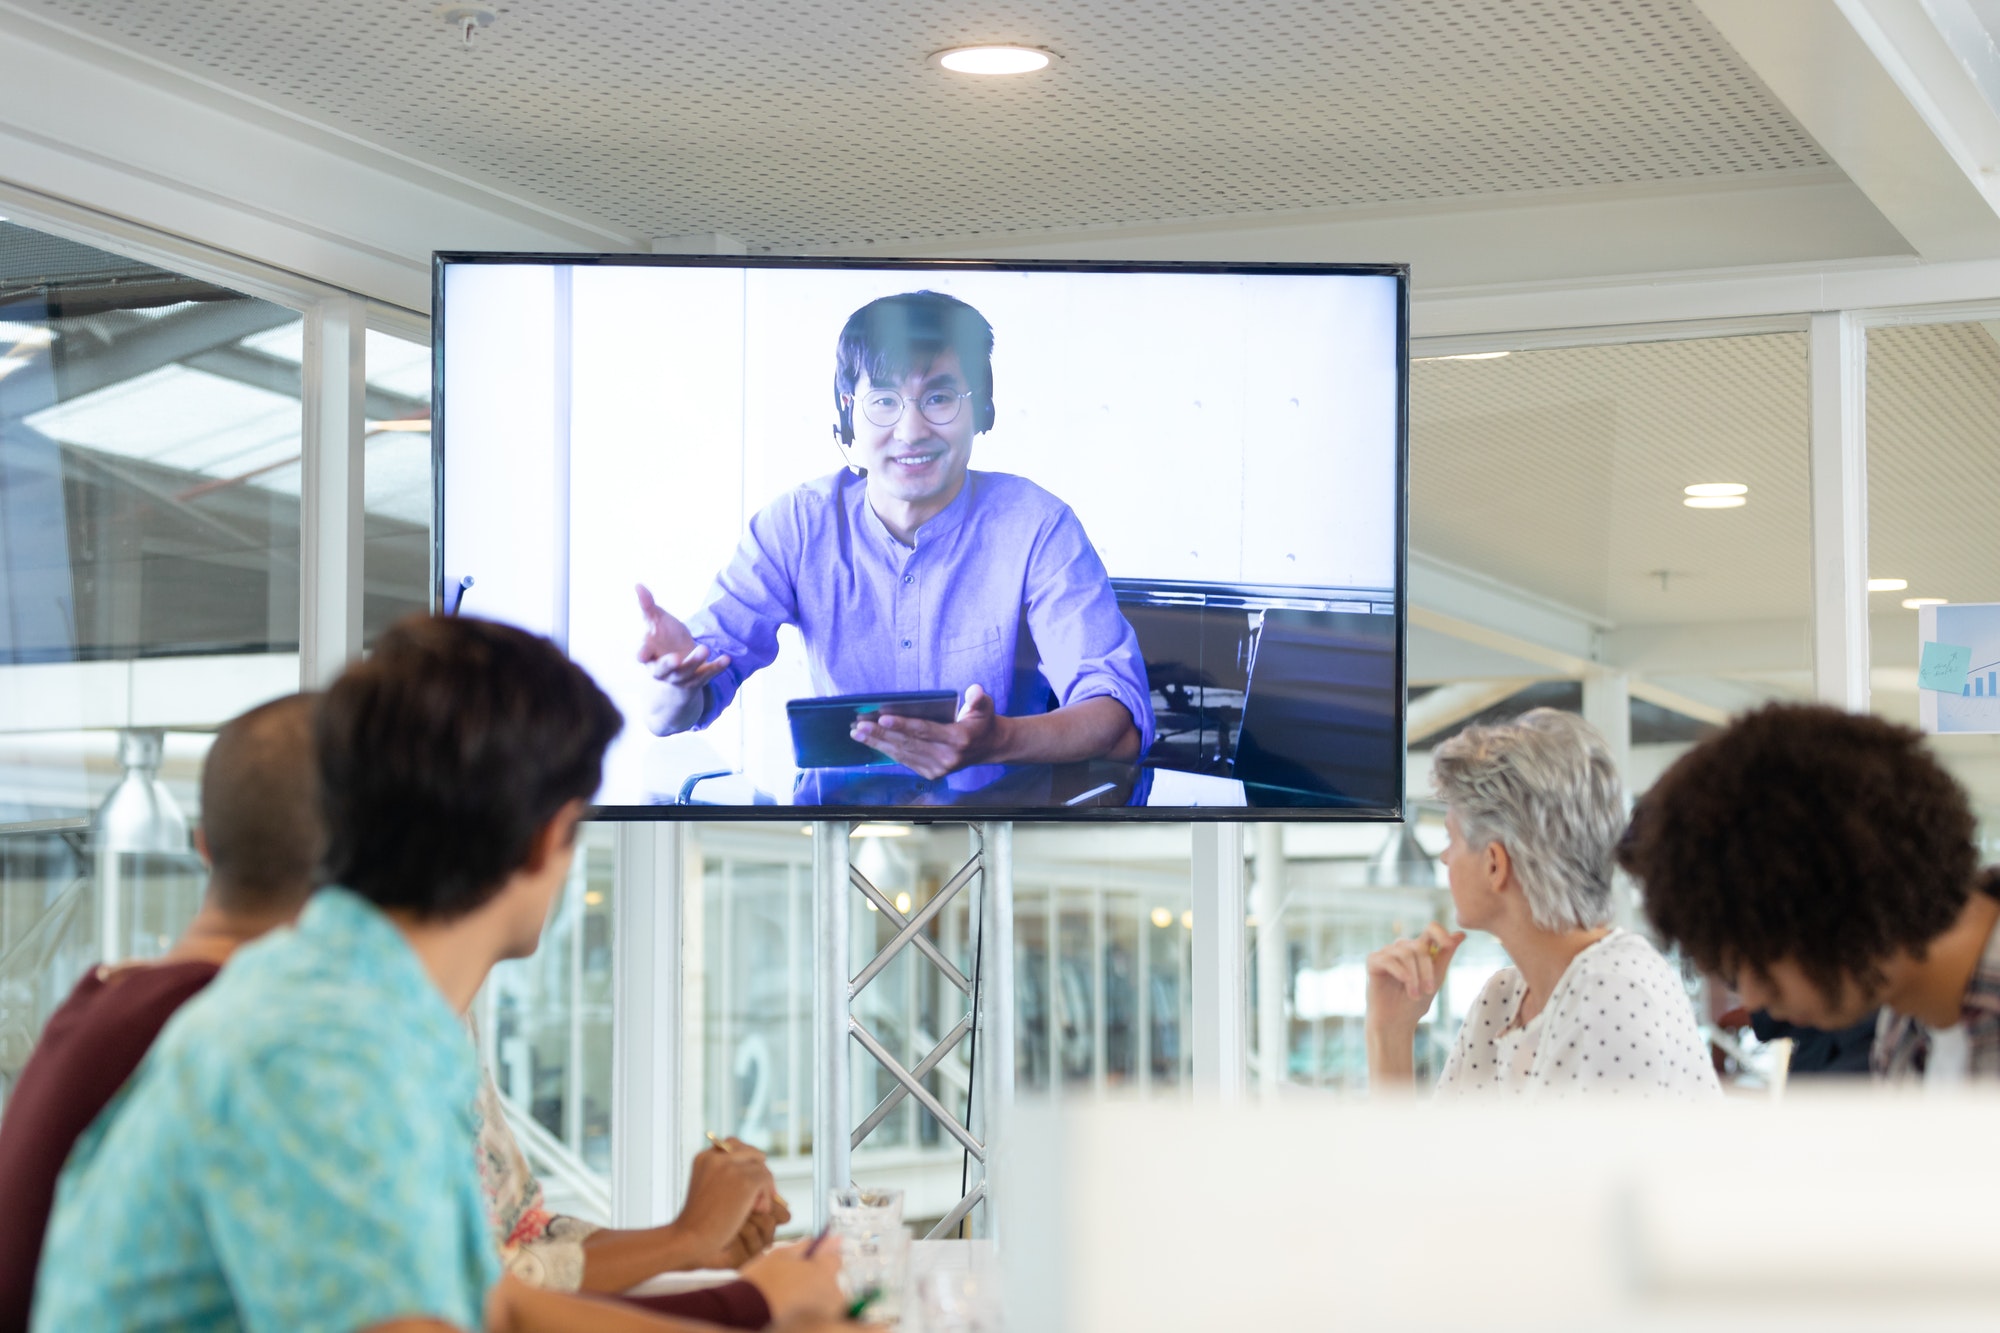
260	834
262	838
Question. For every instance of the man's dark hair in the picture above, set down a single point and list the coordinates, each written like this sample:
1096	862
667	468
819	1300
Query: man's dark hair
260	817
1801	832
896	336
444	752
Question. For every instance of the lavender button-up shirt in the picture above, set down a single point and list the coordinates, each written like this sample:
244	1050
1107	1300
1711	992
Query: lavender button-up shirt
878	616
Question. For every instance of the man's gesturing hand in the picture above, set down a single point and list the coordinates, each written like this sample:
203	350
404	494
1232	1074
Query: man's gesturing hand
937	748
681	665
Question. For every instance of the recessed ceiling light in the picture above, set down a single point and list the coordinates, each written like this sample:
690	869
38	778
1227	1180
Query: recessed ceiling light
1465	356
1912	603
1715	502
1713	489
1887	585
993	59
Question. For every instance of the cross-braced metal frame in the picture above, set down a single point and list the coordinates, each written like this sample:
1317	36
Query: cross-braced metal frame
987	1022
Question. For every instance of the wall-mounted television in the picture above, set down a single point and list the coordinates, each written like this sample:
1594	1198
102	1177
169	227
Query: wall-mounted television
937	539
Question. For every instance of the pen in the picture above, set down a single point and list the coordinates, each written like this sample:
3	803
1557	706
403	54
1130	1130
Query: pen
723	1147
817	1239
860	1307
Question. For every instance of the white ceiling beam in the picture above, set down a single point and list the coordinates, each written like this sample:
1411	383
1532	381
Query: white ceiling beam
1448	705
1859	76
1638	687
175	692
1482	240
1457	593
85	122
1500	641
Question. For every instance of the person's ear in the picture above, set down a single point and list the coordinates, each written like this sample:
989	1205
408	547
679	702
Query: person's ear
843	434
1499	864
555	836
201	846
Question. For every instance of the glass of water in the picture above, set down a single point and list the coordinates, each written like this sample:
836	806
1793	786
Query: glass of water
875	1272
858	1212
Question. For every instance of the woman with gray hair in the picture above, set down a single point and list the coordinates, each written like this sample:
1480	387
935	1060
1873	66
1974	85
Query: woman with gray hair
1533	812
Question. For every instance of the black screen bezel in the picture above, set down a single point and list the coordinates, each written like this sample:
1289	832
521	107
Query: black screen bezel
443	259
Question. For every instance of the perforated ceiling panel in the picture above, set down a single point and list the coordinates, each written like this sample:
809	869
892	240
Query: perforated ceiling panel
802	123
1562	472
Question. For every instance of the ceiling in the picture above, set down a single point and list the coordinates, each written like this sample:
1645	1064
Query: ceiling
1561	472
1934	459
810	124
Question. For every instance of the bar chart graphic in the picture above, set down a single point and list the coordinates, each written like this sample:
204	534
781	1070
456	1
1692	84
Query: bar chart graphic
1975	707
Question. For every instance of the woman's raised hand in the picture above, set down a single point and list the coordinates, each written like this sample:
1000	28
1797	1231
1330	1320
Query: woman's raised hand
1403	978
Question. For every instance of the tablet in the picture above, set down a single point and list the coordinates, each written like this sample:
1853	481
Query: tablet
820	727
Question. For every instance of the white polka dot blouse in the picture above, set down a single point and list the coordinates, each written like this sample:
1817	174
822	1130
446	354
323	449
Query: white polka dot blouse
1618	1024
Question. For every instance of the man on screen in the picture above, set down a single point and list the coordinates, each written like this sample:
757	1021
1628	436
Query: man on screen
907	571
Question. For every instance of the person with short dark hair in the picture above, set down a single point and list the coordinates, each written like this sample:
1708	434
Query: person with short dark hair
1823	864
260	835
296	1152
908	571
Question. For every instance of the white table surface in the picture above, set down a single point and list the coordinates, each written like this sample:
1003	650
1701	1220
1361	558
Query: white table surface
925	1256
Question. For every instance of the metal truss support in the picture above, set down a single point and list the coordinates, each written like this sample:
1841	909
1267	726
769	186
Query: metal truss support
987	1023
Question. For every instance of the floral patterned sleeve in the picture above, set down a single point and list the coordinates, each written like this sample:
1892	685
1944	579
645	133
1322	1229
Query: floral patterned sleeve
539	1247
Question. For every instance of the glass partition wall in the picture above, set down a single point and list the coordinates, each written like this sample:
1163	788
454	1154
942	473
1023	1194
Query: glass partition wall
150	546
149	588
1619	530
1933	472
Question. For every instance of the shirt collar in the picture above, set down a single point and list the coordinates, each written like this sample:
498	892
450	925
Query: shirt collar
344	925
944	522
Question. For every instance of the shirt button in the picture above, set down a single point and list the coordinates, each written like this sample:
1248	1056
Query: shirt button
909	578
906	643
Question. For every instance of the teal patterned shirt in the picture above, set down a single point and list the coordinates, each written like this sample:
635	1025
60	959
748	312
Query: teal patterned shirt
295	1154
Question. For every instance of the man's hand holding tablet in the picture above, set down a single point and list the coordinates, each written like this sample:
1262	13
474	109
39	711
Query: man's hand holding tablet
933	749
682	666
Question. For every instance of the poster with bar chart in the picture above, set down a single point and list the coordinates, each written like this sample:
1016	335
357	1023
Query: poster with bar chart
1973	703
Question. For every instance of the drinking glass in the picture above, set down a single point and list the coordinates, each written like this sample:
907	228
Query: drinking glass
858	1212
876	1266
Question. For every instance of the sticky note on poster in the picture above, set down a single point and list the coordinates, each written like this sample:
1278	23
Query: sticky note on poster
1944	667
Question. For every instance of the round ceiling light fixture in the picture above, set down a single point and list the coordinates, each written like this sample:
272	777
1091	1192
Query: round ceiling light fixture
993	58
1918	603
1887	585
1715	495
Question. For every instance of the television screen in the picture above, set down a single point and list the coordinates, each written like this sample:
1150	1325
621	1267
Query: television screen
906	538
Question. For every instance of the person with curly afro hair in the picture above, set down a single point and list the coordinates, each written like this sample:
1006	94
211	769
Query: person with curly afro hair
1823	864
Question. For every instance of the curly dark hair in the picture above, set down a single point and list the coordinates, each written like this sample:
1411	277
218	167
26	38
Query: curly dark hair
1800	831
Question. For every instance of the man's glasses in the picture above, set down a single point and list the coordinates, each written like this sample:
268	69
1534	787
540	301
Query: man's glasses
937	406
